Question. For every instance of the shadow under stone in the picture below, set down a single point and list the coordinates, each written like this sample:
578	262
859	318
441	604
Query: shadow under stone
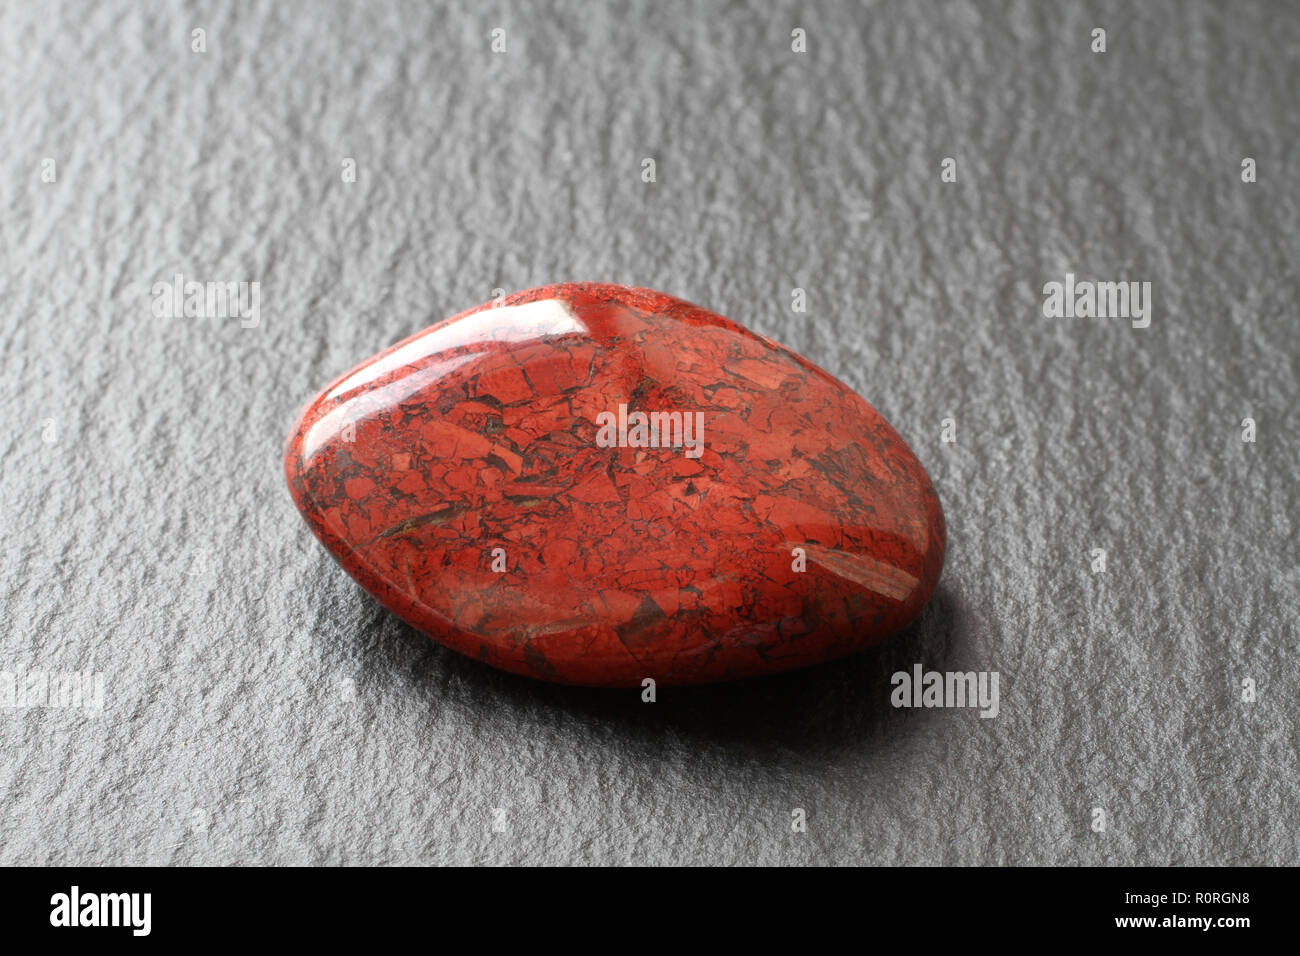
825	707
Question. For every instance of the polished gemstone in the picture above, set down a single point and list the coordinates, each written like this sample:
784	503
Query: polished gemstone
596	484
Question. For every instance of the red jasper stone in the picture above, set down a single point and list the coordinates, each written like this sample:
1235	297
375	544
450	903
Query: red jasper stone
467	478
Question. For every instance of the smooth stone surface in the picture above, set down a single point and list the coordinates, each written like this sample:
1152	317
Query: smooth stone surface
476	445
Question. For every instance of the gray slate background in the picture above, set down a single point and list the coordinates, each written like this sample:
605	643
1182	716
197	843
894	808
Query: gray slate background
148	536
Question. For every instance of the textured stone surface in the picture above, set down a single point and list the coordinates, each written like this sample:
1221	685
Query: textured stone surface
510	482
154	543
